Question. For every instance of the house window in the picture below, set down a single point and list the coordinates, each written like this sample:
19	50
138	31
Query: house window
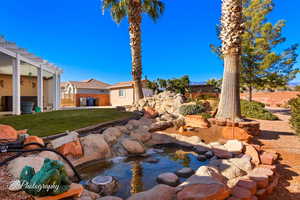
122	93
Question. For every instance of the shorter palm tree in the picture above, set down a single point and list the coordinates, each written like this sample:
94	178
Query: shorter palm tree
133	9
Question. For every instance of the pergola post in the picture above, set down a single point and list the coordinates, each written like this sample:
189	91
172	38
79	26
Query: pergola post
16	85
56	91
40	88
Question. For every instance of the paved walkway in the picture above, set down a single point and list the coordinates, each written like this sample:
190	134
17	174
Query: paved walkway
278	136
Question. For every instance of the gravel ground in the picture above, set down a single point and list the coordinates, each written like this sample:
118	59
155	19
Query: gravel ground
5	179
278	136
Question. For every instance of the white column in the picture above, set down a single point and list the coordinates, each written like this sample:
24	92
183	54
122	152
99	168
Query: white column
16	85
40	88
56	91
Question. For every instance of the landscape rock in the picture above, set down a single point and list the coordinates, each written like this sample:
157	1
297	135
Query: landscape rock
234	146
204	192
241	193
94	147
159	126
227	169
110	198
237	133
150	112
244	163
33	139
221	152
252	152
16	166
196	121
111	135
159	192
73	149
141	135
248	184
133	146
185	172
209	154
201	158
70	137
268	158
9	133
168	178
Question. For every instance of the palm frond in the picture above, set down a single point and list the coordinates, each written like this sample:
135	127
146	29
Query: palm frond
154	8
118	9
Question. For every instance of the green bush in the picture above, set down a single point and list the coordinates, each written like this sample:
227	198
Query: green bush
191	109
295	117
256	110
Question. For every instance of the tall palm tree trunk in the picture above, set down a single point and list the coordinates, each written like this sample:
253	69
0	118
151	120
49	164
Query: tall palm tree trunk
135	20
229	106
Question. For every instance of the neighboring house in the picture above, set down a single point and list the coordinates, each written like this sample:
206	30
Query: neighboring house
202	89
122	93
76	93
25	77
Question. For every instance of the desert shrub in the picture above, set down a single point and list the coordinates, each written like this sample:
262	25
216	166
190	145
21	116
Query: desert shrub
206	115
191	109
256	110
295	116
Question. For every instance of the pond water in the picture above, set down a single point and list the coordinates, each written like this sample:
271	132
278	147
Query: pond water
137	174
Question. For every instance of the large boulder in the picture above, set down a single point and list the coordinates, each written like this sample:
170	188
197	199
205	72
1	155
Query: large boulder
159	192
16	166
237	133
141	135
73	149
132	146
227	169
70	137
204	192
111	135
196	121
9	133
234	146
161	125
33	139
252	152
168	178
94	147
150	112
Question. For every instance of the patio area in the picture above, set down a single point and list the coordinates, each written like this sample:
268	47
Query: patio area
25	77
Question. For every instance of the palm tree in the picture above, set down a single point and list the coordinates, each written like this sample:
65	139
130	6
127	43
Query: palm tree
133	9
231	31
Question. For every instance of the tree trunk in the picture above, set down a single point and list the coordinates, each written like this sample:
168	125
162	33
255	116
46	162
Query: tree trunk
229	106
250	93
231	32
135	20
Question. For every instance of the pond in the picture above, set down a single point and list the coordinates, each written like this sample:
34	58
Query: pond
137	174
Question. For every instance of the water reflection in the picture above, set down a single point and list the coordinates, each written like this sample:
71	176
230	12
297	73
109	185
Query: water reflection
136	180
182	157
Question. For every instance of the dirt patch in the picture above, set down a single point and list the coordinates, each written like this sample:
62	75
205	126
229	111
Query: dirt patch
5	179
278	136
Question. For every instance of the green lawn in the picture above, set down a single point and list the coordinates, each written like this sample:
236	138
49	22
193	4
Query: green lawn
50	123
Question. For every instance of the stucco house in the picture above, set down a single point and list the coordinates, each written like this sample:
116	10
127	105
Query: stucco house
76	93
122	93
26	77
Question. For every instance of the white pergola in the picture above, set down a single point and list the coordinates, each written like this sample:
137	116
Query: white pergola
19	55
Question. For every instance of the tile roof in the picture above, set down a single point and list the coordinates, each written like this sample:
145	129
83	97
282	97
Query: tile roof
89	84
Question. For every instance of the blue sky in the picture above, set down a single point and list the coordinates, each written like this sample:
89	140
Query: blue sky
76	36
